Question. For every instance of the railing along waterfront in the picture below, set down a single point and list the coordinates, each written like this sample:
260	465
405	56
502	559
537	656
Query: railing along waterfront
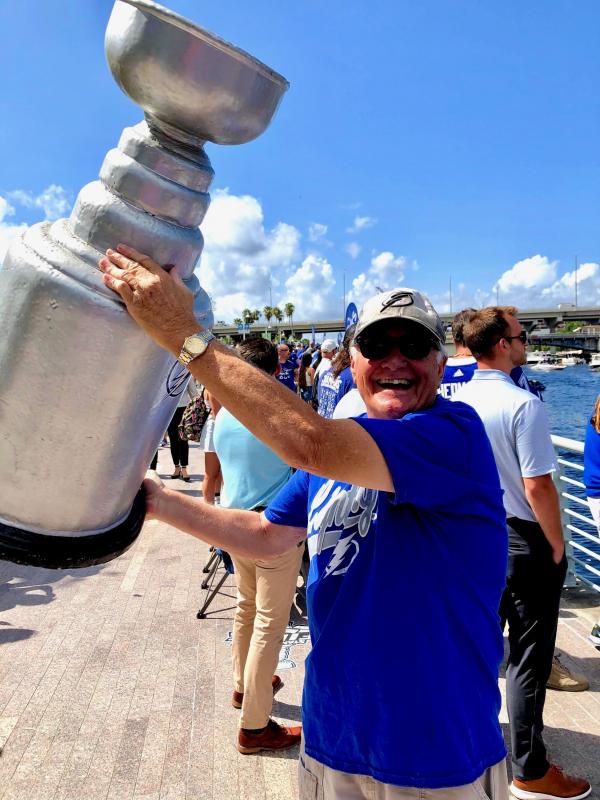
581	533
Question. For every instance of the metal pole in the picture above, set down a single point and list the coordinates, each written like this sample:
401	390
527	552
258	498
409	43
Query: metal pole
576	267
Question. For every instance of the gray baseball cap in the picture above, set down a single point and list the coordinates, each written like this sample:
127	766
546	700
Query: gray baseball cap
328	346
404	304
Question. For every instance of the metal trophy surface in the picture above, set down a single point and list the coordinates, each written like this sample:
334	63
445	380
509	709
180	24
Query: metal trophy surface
85	396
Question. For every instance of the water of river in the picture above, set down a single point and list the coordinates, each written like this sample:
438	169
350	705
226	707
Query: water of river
569	398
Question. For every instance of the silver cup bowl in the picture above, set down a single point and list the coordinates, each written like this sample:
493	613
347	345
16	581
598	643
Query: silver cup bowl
192	85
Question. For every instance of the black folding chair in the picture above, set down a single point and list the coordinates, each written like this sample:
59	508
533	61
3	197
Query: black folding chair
219	560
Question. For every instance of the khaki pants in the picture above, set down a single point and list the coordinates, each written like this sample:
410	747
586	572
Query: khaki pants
265	593
318	782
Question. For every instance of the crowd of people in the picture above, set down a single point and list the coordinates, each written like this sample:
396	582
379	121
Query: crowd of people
447	478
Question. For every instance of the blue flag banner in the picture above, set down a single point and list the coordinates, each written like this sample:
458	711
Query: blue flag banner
351	317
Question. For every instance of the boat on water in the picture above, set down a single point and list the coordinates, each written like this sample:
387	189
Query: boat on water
548	363
535	356
572	358
595	361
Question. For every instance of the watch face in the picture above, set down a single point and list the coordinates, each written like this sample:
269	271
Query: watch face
195	345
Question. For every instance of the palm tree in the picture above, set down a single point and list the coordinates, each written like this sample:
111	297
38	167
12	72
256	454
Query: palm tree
247	316
238	321
255	315
278	316
268	314
289	312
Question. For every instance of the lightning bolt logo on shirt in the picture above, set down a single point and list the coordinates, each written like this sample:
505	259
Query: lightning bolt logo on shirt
339	518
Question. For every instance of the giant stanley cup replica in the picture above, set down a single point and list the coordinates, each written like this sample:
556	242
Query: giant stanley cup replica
85	396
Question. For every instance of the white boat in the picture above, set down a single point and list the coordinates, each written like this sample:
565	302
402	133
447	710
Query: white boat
535	356
595	361
572	358
548	363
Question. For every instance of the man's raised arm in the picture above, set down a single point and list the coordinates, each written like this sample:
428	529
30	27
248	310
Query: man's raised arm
163	306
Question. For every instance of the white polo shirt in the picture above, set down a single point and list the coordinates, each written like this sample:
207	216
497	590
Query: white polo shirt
517	427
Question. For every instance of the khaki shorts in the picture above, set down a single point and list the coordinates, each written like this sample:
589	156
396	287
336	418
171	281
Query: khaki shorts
318	782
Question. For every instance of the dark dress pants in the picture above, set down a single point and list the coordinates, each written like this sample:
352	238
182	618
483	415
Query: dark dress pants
179	447
530	605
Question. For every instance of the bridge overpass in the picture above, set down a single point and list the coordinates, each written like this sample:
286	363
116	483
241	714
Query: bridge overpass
531	319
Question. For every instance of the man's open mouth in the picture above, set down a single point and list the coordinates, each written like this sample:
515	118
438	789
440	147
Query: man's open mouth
395	383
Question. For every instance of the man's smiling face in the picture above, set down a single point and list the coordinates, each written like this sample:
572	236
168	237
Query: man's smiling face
396	384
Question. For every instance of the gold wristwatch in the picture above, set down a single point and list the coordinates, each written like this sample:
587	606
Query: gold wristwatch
194	346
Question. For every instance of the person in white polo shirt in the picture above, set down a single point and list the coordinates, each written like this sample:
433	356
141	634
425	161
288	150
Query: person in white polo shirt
516	424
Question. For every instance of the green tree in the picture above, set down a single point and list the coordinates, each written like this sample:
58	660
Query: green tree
569	327
255	315
268	314
238	321
289	312
247	316
278	316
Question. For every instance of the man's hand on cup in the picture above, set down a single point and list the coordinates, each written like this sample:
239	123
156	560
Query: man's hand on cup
154	490
158	300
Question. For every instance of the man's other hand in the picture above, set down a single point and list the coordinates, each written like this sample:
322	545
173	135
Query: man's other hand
158	300
153	489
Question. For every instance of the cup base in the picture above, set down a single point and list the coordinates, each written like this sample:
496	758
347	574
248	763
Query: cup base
72	552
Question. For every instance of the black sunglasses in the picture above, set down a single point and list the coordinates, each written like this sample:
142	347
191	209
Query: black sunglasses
522	336
377	347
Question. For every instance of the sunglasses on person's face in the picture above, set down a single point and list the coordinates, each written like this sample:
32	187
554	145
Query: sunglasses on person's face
522	336
377	347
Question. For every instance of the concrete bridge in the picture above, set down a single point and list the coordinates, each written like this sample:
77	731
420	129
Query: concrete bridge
588	342
545	320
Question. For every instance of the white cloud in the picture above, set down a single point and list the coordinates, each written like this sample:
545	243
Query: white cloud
386	272
311	288
54	201
353	249
361	224
241	259
8	232
316	231
527	274
534	282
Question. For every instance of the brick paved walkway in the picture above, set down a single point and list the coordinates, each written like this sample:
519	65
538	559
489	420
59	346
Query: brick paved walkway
111	688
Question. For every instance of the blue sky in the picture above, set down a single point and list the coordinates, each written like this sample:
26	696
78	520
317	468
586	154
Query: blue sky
420	142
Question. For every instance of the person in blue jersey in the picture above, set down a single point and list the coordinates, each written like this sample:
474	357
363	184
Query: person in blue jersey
389	502
516	424
461	366
336	381
591	478
252	476
287	367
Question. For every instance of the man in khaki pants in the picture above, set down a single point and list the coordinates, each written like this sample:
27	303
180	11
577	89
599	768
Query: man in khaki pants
253	475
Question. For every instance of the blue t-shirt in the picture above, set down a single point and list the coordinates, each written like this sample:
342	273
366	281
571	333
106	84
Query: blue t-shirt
330	390
286	374
252	473
403	594
591	461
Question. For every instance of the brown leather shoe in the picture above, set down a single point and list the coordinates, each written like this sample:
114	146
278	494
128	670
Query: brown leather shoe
237	698
273	737
554	784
